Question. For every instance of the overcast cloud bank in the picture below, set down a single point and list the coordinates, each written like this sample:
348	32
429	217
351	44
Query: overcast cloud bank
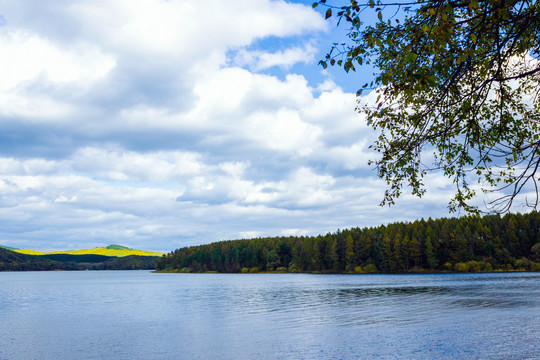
159	124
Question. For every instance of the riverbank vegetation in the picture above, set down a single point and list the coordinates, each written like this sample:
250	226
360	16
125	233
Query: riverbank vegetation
466	244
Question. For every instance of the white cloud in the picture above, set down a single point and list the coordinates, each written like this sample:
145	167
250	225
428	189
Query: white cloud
131	166
34	69
235	169
283	130
29	57
189	33
126	122
353	157
63	199
223	92
34	108
249	234
261	60
293	232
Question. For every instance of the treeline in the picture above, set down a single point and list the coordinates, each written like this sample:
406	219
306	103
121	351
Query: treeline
12	261
131	262
466	244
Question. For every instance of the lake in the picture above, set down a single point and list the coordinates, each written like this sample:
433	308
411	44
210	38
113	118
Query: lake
142	315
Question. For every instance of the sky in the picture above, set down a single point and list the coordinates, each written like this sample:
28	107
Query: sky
161	124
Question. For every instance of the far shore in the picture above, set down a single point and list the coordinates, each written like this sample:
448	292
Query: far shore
426	272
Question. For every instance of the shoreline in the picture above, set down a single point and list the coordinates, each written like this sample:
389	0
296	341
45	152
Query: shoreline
178	271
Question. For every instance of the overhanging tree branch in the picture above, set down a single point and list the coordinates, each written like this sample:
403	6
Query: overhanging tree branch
456	78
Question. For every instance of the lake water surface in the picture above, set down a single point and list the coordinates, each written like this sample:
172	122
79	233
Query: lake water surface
142	315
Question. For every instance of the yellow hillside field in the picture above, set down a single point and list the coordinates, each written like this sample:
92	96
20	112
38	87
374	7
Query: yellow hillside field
113	252
95	251
29	252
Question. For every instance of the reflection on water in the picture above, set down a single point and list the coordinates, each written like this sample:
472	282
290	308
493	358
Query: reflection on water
140	315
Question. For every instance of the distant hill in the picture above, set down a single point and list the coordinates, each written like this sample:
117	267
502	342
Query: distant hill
111	250
7	255
117	247
12	261
16	261
7	248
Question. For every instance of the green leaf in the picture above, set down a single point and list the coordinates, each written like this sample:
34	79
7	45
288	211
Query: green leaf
328	13
315	5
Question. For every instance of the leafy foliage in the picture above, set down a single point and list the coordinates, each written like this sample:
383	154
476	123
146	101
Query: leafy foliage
458	244
459	79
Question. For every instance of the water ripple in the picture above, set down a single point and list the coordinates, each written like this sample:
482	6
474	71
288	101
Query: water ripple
138	315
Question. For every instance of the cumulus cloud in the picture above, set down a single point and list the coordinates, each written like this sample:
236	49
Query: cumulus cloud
33	58
153	124
262	60
36	75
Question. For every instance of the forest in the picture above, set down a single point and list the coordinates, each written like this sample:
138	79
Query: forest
464	244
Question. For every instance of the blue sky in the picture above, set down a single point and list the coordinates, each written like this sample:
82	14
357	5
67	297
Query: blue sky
160	124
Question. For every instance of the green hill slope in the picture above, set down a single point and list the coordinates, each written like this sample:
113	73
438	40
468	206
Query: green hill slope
12	261
117	247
